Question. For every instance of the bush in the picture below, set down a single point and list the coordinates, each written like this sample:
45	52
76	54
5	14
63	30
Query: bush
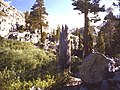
76	62
22	66
60	81
17	45
7	77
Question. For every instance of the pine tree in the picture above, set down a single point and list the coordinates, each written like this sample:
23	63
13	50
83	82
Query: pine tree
109	38
87	6
38	16
116	40
101	42
58	33
27	20
116	36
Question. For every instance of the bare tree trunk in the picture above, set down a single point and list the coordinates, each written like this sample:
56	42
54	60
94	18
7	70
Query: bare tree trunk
41	33
85	36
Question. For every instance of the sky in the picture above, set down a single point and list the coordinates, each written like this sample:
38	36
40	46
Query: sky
60	11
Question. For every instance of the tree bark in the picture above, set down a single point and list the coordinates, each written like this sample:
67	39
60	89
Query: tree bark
41	34
85	35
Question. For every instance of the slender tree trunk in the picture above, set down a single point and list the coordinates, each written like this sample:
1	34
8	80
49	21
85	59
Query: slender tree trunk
41	34
85	35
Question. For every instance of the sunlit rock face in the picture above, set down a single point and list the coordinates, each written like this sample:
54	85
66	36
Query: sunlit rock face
9	17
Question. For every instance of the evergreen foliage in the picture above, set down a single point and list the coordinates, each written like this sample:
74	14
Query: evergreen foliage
101	43
38	16
23	66
87	6
116	40
27	20
108	40
57	36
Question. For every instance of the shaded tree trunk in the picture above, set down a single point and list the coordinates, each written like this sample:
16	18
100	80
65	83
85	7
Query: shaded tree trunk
85	36
41	34
86	6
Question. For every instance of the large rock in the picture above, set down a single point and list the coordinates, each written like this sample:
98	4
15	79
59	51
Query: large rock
117	80
93	68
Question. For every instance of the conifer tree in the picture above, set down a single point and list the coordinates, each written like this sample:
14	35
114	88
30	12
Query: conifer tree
58	33
27	20
38	16
87	6
109	37
101	42
116	40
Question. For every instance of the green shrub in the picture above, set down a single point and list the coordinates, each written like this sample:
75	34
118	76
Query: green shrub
60	81
15	44
76	62
7	78
28	63
23	66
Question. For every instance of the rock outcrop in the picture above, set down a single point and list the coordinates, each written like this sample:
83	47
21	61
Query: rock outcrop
93	68
9	17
